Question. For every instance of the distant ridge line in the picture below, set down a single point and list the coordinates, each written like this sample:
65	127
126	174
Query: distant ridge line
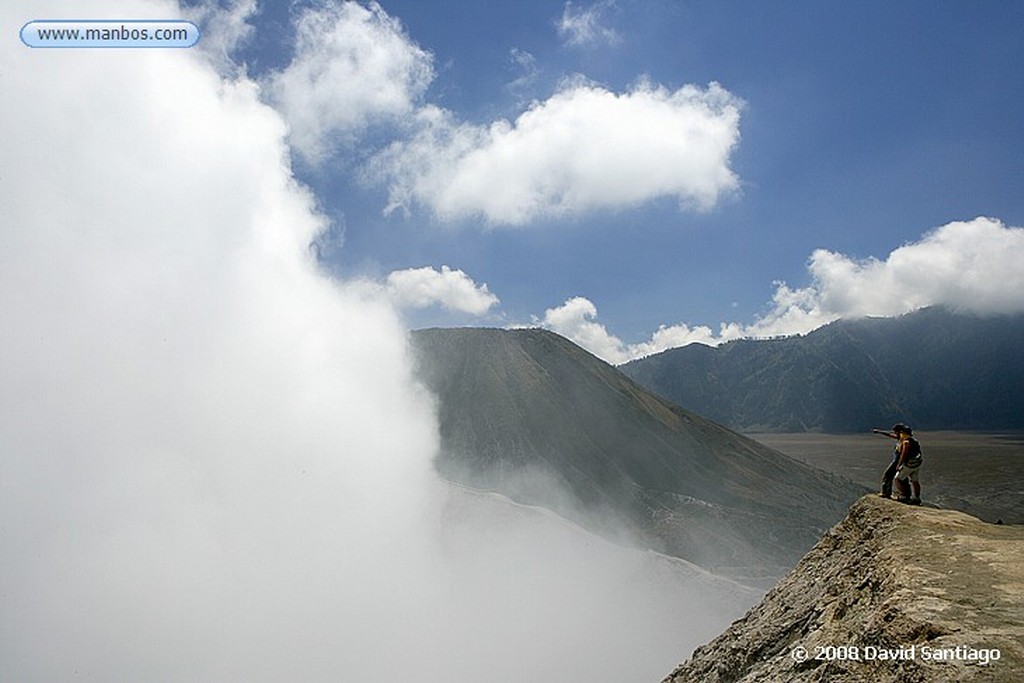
934	368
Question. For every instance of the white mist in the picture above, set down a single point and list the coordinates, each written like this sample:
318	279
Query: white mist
216	464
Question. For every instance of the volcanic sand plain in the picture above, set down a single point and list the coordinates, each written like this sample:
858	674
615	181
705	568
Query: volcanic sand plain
981	474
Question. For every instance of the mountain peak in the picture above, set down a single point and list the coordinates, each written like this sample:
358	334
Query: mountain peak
529	414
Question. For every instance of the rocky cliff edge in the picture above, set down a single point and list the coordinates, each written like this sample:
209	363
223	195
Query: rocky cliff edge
891	593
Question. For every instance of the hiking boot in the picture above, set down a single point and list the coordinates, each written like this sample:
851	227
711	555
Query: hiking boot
904	500
915	501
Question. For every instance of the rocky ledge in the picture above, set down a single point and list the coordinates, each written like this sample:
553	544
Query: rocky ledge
891	593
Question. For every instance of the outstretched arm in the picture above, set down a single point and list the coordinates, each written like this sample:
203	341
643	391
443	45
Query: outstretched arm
885	433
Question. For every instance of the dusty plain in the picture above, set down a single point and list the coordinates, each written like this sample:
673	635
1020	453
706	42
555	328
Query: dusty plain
981	474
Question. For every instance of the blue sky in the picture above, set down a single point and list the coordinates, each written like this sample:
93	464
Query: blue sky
862	128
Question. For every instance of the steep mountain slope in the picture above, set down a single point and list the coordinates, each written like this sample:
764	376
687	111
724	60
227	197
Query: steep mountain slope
892	594
531	415
933	368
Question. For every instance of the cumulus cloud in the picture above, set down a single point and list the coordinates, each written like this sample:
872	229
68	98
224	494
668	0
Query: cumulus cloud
973	266
966	265
580	26
216	460
353	66
585	148
451	289
576	319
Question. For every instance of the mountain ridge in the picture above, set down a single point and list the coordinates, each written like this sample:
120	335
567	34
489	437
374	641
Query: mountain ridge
934	368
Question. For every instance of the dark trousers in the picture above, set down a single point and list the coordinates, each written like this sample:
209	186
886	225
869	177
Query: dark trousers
888	476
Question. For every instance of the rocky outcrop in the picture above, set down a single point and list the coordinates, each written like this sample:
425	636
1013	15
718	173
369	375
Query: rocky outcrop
891	593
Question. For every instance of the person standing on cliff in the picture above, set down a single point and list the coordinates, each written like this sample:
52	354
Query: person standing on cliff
906	472
906	460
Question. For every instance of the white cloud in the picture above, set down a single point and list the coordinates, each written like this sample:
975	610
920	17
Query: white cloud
975	266
585	148
196	445
225	28
451	289
576	320
353	66
525	65
586	26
